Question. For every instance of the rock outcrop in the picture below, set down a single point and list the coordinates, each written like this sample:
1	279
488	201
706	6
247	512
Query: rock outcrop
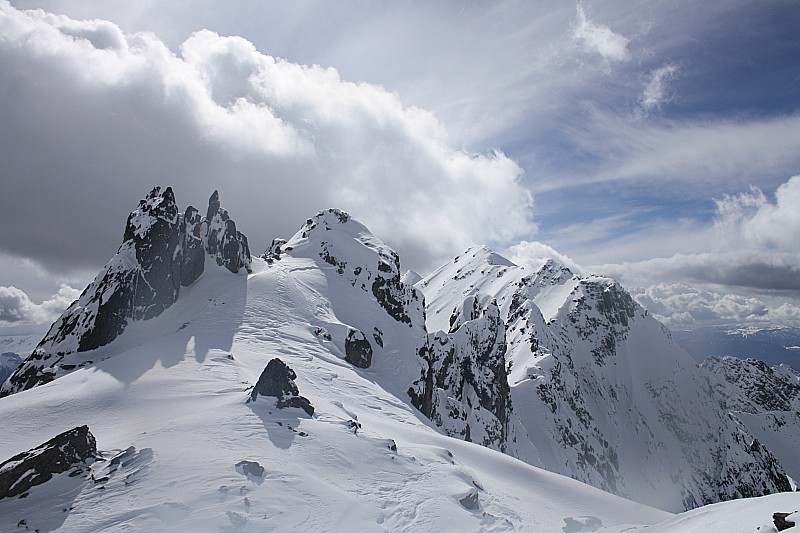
161	252
464	388
277	381
71	451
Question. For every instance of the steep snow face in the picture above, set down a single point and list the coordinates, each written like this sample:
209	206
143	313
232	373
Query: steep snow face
602	391
765	400
161	252
371	318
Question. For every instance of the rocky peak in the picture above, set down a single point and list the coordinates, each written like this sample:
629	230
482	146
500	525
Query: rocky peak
347	247
71	450
162	251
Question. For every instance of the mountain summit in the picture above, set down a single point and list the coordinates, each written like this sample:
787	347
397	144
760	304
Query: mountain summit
161	252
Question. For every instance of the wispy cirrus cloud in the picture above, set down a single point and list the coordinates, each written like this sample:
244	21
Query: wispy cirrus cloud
656	89
598	39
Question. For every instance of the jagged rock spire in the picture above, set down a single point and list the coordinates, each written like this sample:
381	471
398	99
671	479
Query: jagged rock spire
161	252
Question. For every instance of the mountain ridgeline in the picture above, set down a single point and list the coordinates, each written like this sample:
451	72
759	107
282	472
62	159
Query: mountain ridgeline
562	371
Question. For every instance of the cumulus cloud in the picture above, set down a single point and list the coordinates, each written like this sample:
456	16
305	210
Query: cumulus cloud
683	306
17	307
751	275
94	117
598	39
753	218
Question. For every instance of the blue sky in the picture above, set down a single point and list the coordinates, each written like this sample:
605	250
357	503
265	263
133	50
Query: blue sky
652	141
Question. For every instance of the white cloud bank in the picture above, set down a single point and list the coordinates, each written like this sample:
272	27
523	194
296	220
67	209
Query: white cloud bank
94	117
17	307
750	276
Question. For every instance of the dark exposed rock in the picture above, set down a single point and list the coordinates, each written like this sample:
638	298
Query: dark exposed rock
751	386
273	253
464	382
70	450
358	350
277	381
161	252
223	242
779	519
250	469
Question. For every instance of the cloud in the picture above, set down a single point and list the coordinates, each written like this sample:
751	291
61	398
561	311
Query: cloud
534	254
655	91
17	307
598	39
696	156
94	117
751	274
684	306
752	217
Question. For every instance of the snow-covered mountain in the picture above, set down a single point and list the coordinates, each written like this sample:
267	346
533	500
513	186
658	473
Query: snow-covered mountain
765	400
600	388
321	392
9	362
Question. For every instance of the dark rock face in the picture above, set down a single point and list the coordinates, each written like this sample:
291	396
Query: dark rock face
161	252
68	451
358	350
779	519
751	386
223	242
464	383
277	381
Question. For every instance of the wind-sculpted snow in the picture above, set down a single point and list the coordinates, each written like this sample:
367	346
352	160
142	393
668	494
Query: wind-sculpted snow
602	391
161	252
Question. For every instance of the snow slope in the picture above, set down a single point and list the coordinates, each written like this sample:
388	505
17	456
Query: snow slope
176	390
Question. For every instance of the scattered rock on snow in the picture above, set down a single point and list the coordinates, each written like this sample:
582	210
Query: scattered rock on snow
781	523
70	450
357	349
252	469
470	501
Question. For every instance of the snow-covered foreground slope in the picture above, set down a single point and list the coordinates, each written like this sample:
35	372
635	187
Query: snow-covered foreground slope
176	391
